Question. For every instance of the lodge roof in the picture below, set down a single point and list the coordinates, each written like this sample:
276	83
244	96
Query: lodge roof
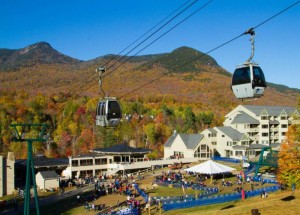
231	132
244	118
271	110
42	161
122	148
190	140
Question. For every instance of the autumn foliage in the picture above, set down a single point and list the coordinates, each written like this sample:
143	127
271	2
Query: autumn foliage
289	158
187	99
71	123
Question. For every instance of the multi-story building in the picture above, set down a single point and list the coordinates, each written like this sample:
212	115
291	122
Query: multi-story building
246	130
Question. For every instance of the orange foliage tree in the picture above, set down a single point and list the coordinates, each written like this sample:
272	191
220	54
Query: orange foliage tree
289	158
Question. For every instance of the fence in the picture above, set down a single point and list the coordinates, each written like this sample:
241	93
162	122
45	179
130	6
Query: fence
232	160
187	203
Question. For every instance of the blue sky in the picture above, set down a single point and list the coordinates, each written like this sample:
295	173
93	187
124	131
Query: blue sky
89	29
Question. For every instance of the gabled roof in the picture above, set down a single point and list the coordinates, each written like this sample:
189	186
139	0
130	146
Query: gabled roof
190	140
271	110
122	148
49	174
244	118
211	130
231	132
170	141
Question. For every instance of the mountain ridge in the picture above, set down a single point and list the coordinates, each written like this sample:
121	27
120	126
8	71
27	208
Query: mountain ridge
37	53
180	60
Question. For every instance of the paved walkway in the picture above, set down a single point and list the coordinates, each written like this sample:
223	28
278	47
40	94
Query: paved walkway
50	199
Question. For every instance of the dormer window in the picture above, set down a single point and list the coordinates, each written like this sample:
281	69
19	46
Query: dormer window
264	117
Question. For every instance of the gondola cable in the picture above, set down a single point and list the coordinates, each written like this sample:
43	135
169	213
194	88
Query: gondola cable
129	58
223	44
143	35
171	19
200	8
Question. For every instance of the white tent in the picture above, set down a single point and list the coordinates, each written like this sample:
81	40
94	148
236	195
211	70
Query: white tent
210	167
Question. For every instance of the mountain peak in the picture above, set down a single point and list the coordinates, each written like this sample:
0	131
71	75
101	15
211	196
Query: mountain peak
37	53
184	59
39	45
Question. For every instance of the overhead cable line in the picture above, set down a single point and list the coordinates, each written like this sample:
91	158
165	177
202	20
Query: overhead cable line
163	34
88	82
147	32
174	17
129	58
223	44
86	85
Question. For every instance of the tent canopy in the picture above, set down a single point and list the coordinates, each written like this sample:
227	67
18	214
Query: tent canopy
210	167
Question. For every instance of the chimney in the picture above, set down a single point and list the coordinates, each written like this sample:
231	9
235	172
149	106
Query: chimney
174	133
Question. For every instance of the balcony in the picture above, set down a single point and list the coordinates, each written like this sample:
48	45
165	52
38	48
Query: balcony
275	136
274	129
254	130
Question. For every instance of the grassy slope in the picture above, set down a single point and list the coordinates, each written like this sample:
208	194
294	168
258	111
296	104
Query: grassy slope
281	202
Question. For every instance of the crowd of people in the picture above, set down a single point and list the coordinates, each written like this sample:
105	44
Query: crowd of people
122	185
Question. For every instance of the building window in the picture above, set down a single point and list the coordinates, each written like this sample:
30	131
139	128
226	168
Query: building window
203	155
100	161
214	143
178	154
245	143
265	142
238	153
87	162
223	135
250	152
283	118
264	126
264	118
265	134
74	162
203	151
283	133
284	126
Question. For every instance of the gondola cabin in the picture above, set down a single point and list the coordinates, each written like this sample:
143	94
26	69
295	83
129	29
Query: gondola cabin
248	81
108	113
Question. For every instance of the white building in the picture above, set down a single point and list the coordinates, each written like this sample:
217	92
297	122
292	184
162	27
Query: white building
47	180
119	158
246	130
181	145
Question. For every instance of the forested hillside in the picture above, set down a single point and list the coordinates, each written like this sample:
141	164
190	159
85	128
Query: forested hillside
184	90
